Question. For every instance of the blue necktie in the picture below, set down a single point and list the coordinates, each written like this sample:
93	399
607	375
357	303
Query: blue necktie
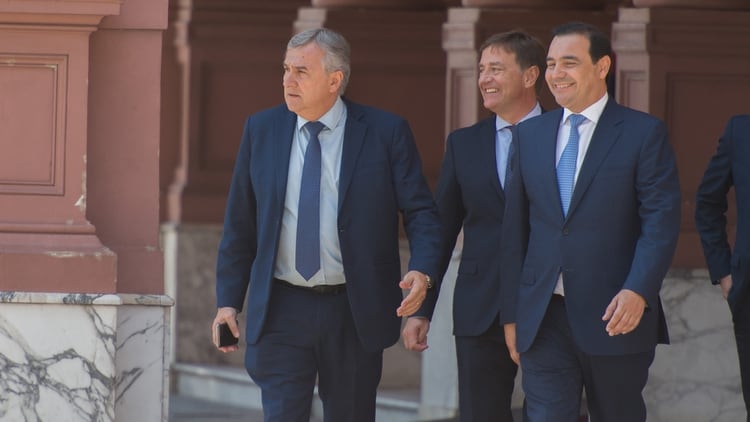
307	257
508	161
566	167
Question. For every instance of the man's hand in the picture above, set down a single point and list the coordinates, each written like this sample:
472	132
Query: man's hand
416	282
225	315
624	312
510	341
726	286
415	333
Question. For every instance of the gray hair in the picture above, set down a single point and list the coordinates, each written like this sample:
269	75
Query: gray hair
334	45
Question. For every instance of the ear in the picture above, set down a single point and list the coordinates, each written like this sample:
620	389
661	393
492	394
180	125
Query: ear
603	65
530	75
334	80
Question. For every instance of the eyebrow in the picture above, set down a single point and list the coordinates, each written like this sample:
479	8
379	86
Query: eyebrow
574	58
295	67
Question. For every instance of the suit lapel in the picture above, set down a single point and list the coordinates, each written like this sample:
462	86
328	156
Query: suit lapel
354	137
605	135
488	152
545	156
282	137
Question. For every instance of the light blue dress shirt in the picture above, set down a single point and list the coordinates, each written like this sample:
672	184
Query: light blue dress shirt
331	145
503	138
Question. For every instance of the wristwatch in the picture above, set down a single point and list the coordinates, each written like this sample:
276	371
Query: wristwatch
428	279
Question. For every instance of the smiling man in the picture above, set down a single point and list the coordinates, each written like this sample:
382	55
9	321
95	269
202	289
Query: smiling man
310	242
591	225
470	195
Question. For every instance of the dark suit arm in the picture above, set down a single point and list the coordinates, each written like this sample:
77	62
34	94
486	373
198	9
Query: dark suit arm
515	237
239	241
450	208
711	207
420	217
449	200
658	190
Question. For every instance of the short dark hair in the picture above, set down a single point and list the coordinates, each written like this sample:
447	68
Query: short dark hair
529	51
599	44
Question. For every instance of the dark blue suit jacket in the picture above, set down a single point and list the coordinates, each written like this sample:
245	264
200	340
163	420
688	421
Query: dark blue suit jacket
620	232
729	167
380	177
469	195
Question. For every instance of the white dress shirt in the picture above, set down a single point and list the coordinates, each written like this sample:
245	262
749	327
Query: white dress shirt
585	130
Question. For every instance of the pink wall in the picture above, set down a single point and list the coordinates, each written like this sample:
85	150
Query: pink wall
80	117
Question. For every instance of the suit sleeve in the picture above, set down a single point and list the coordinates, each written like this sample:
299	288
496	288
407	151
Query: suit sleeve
420	217
239	240
711	207
450	205
658	191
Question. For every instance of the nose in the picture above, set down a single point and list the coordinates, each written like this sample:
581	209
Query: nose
555	71
483	76
287	79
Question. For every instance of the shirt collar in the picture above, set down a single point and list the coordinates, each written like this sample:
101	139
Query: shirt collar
331	118
592	112
502	124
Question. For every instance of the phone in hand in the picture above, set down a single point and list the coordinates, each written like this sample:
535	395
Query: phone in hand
225	336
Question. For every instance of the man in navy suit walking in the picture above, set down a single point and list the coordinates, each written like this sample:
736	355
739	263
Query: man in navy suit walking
592	223
470	195
729	267
311	239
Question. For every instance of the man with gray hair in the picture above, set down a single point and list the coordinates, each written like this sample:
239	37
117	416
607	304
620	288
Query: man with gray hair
311	240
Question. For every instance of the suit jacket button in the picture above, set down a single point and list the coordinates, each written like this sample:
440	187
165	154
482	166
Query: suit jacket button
566	231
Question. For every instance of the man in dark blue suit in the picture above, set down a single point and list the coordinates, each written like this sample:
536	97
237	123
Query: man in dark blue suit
592	219
729	267
323	306
470	195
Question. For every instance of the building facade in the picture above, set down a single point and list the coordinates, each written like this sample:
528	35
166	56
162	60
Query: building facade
119	123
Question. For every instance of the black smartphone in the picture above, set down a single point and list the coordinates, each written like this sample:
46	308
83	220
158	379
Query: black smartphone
226	338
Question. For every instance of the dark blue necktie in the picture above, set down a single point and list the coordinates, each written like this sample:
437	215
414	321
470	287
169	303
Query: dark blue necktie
509	161
566	167
307	257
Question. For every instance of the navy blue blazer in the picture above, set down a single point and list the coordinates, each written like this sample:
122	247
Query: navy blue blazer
729	167
621	230
381	178
469	196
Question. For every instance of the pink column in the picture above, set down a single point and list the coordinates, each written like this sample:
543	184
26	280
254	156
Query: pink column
686	65
47	242
123	141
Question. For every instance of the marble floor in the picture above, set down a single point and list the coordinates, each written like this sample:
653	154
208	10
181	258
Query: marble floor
189	409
